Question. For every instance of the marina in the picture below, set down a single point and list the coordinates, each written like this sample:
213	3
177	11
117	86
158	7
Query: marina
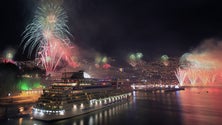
173	108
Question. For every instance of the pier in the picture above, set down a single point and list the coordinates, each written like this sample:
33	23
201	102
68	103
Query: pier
157	88
17	105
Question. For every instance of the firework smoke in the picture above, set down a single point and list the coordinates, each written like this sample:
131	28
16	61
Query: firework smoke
203	65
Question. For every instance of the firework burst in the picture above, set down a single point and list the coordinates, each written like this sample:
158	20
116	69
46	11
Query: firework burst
48	37
49	20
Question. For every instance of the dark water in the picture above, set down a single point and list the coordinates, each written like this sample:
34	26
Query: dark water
194	106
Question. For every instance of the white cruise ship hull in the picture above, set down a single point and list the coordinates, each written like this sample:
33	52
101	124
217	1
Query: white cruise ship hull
73	111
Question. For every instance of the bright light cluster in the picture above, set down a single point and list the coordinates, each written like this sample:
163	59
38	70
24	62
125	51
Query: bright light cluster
41	112
102	61
135	59
99	102
86	75
165	60
152	86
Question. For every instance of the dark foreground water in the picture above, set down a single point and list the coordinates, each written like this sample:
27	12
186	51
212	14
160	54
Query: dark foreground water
193	106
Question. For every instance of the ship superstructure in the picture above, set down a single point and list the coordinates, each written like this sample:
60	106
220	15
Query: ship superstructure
78	95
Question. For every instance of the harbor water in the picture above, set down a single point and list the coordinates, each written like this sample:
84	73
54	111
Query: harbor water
192	106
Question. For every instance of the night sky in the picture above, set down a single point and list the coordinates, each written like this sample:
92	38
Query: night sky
117	27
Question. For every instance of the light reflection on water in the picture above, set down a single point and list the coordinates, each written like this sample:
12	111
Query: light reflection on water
199	106
102	117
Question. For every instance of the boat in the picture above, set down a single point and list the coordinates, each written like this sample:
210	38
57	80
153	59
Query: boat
77	95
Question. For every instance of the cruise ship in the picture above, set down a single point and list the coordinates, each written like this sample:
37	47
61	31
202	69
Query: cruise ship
76	95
